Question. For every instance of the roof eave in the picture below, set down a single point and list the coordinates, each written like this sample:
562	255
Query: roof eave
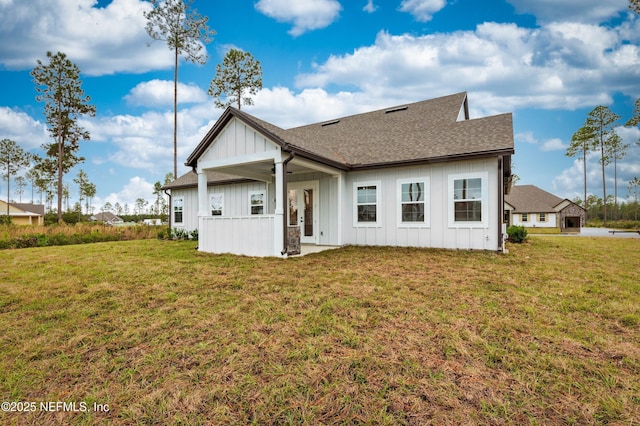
209	182
440	159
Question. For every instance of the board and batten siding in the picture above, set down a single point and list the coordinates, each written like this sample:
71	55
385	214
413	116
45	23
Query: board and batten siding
236	201
236	197
439	232
189	208
237	140
328	205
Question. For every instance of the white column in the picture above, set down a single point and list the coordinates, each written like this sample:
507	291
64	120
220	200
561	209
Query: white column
278	228
341	182
203	202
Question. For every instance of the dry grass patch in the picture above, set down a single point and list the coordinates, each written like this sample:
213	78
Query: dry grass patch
547	334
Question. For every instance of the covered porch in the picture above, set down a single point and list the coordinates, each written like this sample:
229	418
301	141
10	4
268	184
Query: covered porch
296	194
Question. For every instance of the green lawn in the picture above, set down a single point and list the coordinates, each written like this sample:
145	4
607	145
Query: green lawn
161	334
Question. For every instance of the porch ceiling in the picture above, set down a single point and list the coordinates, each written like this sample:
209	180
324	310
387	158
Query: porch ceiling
264	170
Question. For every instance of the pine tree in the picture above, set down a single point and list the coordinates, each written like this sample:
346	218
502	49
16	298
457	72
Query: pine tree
12	159
239	74
582	142
59	86
184	30
600	122
616	150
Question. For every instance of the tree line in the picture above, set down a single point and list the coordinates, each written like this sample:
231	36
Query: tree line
598	135
59	88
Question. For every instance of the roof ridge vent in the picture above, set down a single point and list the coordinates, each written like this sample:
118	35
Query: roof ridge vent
329	123
396	109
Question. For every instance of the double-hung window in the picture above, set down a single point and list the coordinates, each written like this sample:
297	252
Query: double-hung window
217	204
257	202
413	197
178	204
525	217
468	200
367	203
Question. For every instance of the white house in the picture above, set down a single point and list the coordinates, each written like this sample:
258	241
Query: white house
421	174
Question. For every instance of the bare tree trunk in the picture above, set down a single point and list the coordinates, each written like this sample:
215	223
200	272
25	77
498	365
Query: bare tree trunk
584	178
175	116
615	185
60	161
8	188
604	182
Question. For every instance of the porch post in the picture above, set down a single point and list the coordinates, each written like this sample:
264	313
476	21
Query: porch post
278	230
203	209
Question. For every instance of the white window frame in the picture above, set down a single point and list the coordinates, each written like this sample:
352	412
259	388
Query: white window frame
216	197
264	202
543	218
484	199
178	202
426	201
524	217
378	204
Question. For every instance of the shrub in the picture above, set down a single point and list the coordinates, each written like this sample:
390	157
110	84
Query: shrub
12	236
517	234
179	234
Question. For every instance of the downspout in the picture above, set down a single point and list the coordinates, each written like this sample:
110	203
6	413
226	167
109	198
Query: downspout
285	221
500	203
168	194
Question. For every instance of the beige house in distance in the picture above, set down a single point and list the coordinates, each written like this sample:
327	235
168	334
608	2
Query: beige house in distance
23	213
532	207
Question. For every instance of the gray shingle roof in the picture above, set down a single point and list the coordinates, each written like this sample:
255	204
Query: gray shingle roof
106	217
190	179
531	199
426	131
30	207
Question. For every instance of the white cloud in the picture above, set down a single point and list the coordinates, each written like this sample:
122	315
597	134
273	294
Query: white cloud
288	109
554	67
370	7
137	187
145	142
99	40
629	135
553	144
526	137
305	15
156	93
23	129
571	10
422	10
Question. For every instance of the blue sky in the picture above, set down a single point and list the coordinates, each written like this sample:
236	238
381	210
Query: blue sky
549	62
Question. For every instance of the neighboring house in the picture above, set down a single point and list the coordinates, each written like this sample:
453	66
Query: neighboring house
106	217
421	174
23	213
532	207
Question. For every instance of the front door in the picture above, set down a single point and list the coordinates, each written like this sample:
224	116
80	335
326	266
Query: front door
303	210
